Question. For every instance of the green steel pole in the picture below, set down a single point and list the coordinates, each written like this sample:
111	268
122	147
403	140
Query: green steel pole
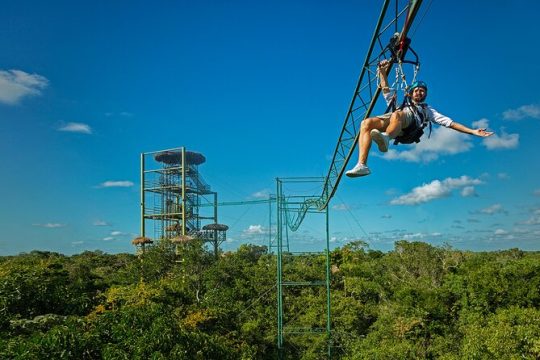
142	196
215	208
279	271
215	222
328	302
183	191
269	224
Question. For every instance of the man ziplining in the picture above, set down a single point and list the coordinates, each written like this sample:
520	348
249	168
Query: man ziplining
405	124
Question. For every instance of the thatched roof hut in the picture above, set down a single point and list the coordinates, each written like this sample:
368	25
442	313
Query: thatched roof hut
182	239
142	240
218	227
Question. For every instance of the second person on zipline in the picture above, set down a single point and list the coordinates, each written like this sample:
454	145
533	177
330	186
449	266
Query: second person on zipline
405	124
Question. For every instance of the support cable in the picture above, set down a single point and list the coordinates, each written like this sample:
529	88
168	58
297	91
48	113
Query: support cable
253	302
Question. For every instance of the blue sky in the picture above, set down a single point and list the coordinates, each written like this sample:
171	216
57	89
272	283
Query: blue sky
261	89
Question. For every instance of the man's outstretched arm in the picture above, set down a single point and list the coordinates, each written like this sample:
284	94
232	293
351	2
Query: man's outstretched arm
464	129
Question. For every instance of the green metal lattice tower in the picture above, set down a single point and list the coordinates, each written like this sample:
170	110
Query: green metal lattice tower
173	192
287	208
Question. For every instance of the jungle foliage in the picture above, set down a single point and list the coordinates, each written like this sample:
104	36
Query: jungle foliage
415	302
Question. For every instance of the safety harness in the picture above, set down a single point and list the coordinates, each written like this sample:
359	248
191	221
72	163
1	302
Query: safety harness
396	50
413	132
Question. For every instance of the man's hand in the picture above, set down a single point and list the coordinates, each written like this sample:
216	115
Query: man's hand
383	67
482	132
382	74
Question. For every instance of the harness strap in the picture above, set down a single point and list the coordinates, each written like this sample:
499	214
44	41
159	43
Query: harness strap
413	132
422	116
392	105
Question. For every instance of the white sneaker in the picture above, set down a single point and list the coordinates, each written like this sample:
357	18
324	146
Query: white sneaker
358	170
381	139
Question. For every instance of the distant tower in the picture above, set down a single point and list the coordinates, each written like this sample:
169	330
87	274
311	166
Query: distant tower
216	234
173	193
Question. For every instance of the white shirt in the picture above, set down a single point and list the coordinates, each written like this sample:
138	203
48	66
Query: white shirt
430	113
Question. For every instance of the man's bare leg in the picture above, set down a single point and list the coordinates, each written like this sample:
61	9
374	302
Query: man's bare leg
364	140
364	144
382	138
394	126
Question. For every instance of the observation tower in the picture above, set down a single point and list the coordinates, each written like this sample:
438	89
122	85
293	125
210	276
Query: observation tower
177	205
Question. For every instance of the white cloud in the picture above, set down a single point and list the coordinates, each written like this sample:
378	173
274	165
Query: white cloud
500	232
77	242
413	236
521	231
496	141
386	216
482	123
341	239
110	183
17	84
254	230
493	209
101	223
461	181
533	220
50	225
422	194
416	236
503	141
76	128
522	112
503	176
341	207
263	194
468	191
114	235
434	190
441	142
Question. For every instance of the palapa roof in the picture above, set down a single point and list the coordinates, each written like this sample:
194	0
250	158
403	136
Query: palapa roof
182	239
141	240
175	157
219	227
